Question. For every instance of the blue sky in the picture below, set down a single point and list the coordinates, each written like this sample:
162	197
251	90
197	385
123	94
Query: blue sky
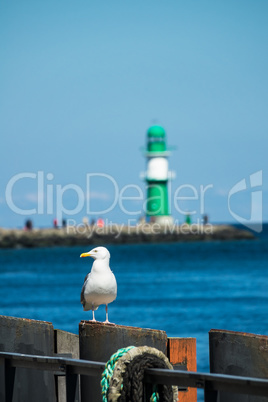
82	81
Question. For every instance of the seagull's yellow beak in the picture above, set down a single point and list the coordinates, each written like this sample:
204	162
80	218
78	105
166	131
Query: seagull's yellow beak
85	255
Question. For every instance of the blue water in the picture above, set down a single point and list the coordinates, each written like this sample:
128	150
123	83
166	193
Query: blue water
185	289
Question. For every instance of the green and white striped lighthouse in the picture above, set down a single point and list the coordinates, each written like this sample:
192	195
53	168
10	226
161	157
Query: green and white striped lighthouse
157	176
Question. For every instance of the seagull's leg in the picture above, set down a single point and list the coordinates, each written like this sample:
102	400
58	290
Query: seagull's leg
106	309
107	321
93	315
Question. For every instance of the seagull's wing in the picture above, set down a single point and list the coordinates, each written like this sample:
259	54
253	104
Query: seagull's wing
82	298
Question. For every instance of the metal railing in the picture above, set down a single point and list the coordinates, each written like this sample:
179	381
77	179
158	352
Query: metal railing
71	368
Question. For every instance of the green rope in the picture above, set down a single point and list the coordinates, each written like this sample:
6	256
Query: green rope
155	395
108	372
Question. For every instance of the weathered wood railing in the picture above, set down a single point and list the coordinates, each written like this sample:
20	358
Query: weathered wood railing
71	368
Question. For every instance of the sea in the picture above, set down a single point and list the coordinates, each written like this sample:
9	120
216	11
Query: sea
185	289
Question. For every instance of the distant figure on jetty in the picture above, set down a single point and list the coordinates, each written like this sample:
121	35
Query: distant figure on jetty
205	219
100	223
100	285
55	223
85	221
28	225
142	220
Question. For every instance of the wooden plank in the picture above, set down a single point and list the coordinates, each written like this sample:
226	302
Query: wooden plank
32	337
66	343
238	353
182	352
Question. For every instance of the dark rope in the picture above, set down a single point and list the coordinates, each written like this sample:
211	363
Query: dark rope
125	382
133	377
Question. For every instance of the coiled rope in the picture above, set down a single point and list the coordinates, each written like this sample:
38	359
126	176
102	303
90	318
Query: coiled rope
122	379
109	369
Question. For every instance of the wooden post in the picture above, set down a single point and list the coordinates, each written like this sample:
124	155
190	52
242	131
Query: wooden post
66	345
20	335
241	354
182	354
99	341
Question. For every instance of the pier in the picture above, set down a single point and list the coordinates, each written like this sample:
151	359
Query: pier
41	363
119	234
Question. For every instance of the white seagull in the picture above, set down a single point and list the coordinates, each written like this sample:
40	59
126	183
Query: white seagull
100	285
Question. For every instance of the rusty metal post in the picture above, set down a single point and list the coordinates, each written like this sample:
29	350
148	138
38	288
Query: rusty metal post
182	354
99	341
241	354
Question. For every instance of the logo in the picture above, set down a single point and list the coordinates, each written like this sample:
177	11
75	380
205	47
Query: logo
254	222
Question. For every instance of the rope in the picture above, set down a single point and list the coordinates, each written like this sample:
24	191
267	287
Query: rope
108	371
122	379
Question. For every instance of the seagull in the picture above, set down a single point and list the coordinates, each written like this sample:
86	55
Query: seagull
100	285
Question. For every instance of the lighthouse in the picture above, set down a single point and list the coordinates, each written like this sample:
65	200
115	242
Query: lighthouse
157	176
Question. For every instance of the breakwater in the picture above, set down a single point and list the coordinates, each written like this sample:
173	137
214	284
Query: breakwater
118	234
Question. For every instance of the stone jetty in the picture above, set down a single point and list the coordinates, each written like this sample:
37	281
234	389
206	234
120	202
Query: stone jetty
118	234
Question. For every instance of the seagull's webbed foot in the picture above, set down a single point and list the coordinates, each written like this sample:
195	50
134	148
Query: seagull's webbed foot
108	322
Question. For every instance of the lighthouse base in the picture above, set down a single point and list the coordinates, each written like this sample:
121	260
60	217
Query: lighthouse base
163	220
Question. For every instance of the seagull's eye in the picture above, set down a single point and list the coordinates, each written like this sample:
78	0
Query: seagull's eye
96	251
